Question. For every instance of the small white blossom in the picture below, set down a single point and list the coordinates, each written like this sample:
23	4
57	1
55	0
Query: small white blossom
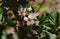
25	19
21	9
33	15
29	9
24	9
30	22
19	13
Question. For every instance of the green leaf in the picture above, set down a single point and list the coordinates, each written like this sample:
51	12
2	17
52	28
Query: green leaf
51	36
54	17
0	17
1	11
53	20
36	7
4	35
42	18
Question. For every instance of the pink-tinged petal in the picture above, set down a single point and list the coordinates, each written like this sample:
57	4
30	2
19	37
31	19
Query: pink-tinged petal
30	22
19	13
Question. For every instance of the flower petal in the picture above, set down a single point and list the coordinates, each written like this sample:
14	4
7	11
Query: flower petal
30	22
29	9
32	16
25	18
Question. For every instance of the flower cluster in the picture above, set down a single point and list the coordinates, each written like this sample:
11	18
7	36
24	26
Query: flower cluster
29	17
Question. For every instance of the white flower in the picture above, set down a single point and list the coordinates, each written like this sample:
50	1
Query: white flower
33	15
30	22
19	13
24	9
29	9
37	23
21	9
25	18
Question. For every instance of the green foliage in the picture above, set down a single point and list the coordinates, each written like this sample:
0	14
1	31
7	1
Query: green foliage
12	23
49	21
1	11
36	7
42	18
